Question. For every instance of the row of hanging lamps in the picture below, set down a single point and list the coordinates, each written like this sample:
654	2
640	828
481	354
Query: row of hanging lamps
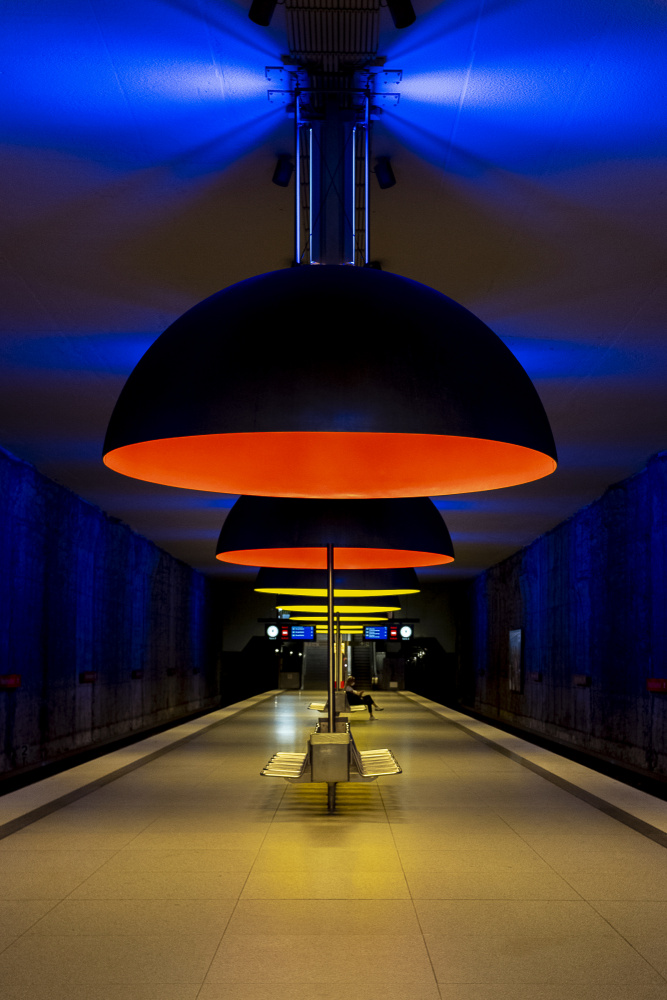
340	608
351	619
418	397
288	533
347	583
366	534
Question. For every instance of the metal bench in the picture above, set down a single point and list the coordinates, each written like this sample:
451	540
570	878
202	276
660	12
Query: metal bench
332	758
342	705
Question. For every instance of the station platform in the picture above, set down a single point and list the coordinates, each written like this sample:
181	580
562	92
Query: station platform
490	869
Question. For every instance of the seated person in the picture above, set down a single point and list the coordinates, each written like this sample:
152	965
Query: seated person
355	697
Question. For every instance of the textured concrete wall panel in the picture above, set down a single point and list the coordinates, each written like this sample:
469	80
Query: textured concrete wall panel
591	599
81	593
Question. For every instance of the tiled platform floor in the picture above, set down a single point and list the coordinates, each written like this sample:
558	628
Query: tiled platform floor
468	877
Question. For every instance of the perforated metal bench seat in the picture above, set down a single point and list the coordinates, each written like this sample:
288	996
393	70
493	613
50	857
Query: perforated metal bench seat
286	765
374	763
321	706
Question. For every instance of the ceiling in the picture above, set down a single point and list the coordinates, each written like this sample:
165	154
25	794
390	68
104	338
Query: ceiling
528	146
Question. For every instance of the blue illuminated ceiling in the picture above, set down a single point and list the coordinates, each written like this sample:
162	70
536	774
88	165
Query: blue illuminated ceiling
528	145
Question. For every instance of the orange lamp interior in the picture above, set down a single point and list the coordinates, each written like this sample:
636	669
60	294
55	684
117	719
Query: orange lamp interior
321	592
328	464
316	558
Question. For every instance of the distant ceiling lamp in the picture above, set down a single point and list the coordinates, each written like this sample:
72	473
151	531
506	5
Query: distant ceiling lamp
347	583
417	397
340	608
366	534
349	619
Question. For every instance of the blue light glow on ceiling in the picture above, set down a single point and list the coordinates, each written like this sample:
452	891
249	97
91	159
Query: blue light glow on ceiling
523	82
74	72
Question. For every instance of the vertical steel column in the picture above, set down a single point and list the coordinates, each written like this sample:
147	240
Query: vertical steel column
339	658
367	192
297	182
330	640
310	194
331	786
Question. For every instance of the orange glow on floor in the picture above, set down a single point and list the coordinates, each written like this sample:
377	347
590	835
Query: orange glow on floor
316	558
333	465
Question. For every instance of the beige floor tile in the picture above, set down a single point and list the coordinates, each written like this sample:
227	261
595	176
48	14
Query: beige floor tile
79	837
635	855
644	926
335	832
38	885
106	960
290	958
339	916
527	942
323	991
161	885
325	885
181	860
489	885
637	885
135	917
39	862
196	839
17	916
314	860
414	841
516	857
521	991
70	991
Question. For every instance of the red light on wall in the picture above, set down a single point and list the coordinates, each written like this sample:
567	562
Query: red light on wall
284	632
656	684
393	633
10	682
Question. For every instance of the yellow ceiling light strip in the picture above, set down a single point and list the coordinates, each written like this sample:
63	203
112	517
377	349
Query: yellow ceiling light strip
359	619
342	609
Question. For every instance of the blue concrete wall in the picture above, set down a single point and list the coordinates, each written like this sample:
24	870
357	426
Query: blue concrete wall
591	599
81	592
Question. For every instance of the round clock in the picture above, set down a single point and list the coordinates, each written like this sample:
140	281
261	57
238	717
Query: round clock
406	631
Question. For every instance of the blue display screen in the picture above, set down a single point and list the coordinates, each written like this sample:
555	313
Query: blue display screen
375	631
305	632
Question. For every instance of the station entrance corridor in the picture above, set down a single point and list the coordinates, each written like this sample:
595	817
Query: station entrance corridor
474	875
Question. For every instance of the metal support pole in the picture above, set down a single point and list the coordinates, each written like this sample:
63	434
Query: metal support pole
330	640
367	186
297	184
339	658
331	796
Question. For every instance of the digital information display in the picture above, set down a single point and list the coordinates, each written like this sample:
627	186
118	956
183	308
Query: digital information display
305	632
375	631
393	632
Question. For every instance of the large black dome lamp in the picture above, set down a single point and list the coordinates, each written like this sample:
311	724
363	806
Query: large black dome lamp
366	534
390	389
